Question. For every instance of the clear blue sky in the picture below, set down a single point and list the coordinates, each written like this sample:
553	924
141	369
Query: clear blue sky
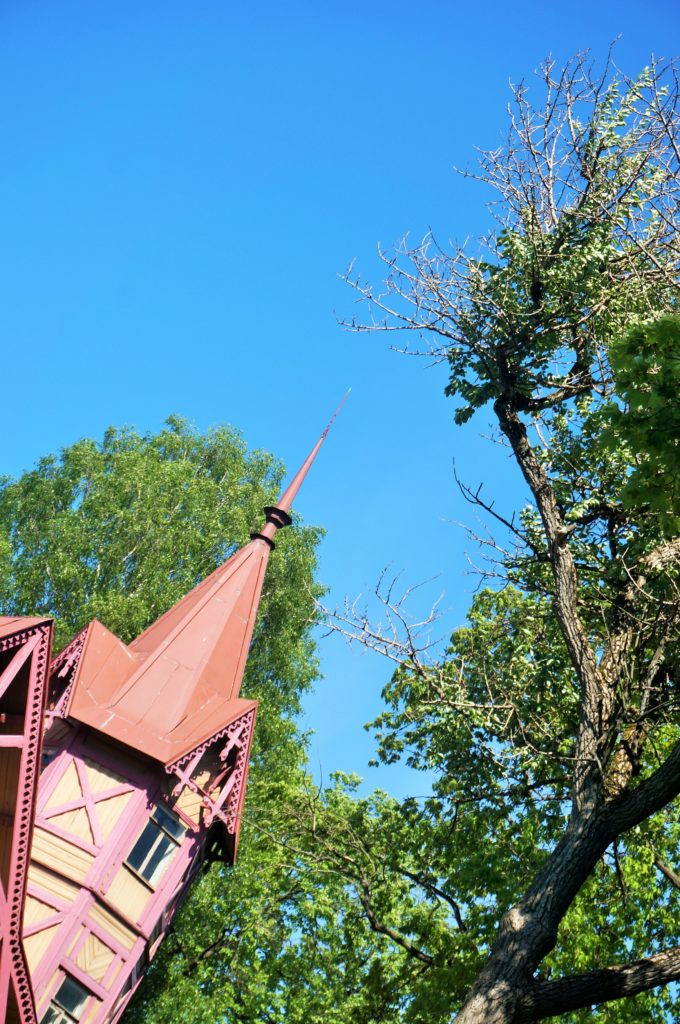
181	185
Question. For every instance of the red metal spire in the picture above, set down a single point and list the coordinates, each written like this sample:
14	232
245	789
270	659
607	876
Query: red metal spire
278	515
179	681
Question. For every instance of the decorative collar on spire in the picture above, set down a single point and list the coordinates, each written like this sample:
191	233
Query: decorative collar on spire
278	516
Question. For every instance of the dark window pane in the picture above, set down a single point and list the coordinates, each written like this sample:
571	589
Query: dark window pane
163	850
141	849
72	997
169	823
156	845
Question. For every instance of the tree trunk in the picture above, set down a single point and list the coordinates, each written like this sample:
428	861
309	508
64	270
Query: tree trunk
528	931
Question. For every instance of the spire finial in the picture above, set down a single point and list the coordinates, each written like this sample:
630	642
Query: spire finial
278	515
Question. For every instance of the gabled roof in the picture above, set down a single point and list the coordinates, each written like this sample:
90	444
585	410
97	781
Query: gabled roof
11	624
178	683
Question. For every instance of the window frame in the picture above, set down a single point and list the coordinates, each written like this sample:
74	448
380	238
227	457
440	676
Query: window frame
167	838
62	1015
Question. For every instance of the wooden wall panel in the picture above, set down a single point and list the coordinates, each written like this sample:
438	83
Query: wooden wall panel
94	958
68	860
6	833
91	1014
109	812
54	884
123	935
101	778
35	946
66	789
75	822
189	802
9	781
35	911
128	894
9	778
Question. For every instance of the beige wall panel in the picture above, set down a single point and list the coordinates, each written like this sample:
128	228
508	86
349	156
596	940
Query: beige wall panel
35	910
76	822
94	958
68	860
35	946
52	883
190	803
109	812
101	778
92	1012
78	932
110	923
128	894
66	789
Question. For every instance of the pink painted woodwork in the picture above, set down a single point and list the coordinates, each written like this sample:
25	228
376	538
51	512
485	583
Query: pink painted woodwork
146	750
25	646
89	916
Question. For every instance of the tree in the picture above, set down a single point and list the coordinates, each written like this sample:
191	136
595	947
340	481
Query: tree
646	367
552	723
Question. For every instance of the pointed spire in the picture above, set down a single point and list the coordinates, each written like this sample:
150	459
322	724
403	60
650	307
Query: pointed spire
278	515
179	681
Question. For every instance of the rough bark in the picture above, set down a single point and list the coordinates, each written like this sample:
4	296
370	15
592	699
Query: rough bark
596	689
504	989
548	998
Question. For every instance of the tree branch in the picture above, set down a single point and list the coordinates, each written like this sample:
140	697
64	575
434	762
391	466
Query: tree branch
383	929
671	875
549	998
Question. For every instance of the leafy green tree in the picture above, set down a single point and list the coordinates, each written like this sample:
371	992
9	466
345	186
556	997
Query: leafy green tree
547	848
646	367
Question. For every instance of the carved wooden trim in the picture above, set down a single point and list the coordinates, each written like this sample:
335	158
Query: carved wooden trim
227	804
39	639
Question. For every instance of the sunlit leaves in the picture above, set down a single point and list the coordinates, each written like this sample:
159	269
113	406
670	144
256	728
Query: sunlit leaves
646	365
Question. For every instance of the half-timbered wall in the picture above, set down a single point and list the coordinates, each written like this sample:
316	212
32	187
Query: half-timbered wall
117	839
88	915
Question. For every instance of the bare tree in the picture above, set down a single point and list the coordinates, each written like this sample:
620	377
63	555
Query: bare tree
586	203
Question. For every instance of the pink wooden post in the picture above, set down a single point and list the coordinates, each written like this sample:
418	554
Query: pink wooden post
25	646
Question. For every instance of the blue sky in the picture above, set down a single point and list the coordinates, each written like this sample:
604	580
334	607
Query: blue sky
182	184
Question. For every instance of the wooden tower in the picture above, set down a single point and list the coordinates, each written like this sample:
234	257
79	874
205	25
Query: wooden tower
145	760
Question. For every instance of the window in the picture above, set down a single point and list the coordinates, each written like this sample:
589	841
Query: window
68	1003
156	846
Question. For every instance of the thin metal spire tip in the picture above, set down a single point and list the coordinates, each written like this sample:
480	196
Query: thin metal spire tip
335	414
278	515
